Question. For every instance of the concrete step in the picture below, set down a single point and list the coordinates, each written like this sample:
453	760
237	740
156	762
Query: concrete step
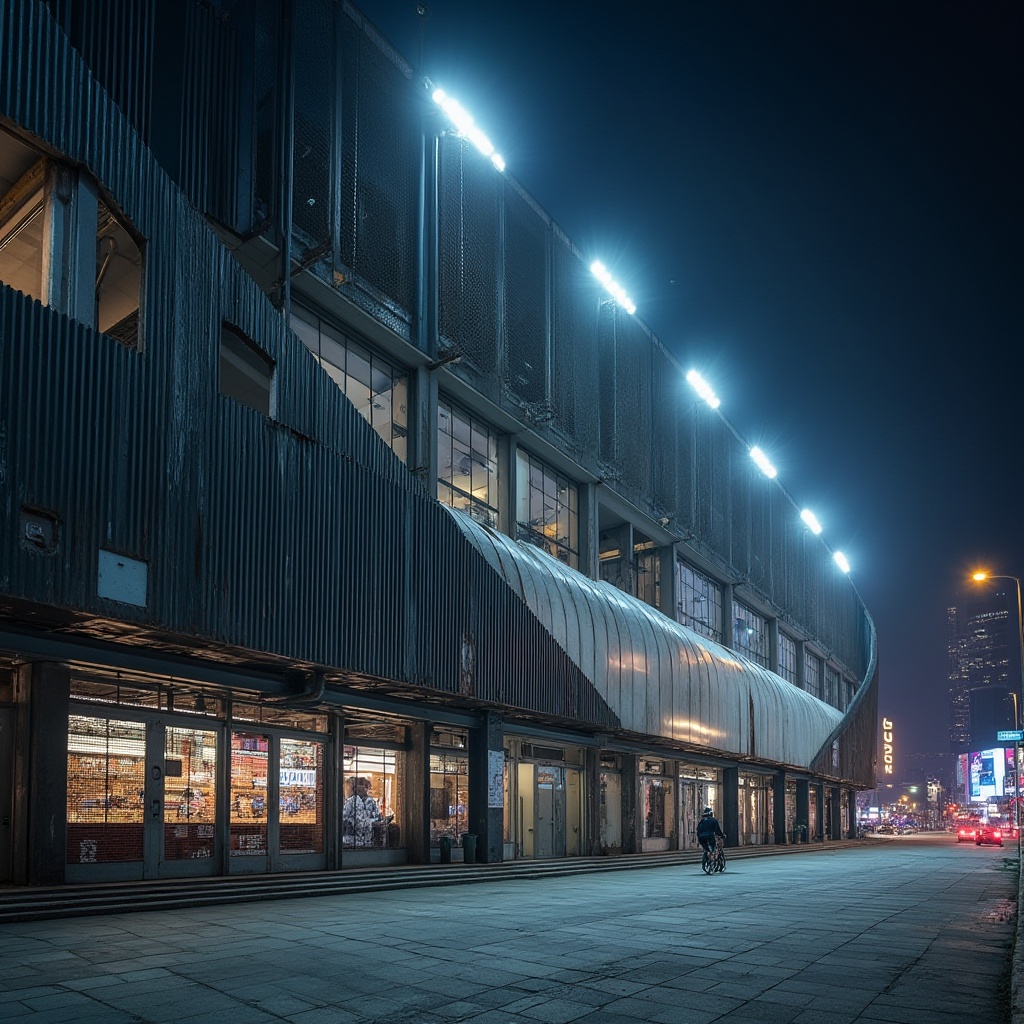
37	904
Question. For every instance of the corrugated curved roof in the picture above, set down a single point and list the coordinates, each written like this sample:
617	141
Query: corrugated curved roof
657	676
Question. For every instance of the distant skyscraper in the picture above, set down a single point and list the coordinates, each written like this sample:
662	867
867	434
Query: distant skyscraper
982	652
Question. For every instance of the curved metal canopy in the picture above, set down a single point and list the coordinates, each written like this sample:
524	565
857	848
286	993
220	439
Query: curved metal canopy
660	678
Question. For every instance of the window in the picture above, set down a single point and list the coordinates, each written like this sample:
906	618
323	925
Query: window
833	682
449	796
467	464
377	389
373	798
246	373
63	244
548	515
787	658
812	674
700	603
22	180
750	634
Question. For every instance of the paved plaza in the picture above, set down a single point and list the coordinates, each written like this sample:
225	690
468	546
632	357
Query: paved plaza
917	930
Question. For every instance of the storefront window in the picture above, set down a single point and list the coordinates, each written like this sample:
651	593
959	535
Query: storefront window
449	796
301	796
106	790
374	796
250	753
190	806
611	811
659	808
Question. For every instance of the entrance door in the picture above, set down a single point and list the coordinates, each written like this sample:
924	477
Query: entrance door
550	822
526	809
6	791
573	812
691	812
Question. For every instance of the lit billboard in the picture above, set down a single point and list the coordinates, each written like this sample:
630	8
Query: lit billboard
990	774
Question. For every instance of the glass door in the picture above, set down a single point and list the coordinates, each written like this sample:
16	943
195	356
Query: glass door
189	832
250	800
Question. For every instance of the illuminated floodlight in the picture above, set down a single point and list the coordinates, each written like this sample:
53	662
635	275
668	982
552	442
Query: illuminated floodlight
460	117
762	463
600	271
811	520
840	559
703	388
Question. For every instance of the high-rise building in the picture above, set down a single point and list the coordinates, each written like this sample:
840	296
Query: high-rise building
981	643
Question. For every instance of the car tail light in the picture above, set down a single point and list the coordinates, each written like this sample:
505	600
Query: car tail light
996	834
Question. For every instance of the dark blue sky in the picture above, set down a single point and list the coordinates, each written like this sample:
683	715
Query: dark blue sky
820	207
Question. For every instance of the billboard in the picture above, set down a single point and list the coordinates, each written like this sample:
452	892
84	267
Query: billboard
990	774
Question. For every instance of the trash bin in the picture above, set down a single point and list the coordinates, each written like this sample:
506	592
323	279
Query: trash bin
446	849
468	848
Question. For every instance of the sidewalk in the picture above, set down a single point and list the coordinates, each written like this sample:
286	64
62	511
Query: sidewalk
915	932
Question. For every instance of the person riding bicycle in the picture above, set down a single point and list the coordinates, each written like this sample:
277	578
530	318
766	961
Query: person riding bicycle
708	829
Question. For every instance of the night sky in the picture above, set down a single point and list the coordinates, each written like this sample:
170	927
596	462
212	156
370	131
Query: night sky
819	206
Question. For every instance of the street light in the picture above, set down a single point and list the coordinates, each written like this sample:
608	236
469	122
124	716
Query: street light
981	577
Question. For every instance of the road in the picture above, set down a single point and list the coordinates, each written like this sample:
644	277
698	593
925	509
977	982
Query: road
913	929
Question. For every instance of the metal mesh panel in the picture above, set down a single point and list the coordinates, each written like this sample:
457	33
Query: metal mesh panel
712	461
666	398
314	116
379	170
606	353
759	567
525	300
573	330
468	233
633	400
265	98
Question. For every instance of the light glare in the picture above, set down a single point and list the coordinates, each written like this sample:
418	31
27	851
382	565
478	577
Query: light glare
811	520
600	271
460	117
840	559
762	463
701	386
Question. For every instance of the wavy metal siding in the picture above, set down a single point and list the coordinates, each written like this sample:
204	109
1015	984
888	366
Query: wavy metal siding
658	677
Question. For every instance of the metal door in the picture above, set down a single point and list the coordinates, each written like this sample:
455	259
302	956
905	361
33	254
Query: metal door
573	812
549	832
526	805
6	791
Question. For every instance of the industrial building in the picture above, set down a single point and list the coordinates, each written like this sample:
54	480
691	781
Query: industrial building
347	517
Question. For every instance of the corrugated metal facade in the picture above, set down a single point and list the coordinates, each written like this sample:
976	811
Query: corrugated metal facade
302	536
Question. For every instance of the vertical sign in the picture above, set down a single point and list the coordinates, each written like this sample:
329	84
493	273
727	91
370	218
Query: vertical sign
887	745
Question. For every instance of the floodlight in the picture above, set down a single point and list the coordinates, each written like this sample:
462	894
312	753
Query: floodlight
600	271
460	117
701	386
811	520
840	559
762	463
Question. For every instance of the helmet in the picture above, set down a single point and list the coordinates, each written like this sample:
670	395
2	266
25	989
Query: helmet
708	812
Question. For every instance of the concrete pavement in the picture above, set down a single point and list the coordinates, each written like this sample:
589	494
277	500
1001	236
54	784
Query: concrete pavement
913	930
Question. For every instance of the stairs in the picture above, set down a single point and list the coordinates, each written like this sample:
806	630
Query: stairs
40	904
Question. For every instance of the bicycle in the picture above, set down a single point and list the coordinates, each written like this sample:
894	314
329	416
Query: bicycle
714	860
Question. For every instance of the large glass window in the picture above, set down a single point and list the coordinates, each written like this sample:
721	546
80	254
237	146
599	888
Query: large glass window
378	389
812	674
301	796
750	633
250	754
467	464
373	799
787	658
449	796
833	683
700	603
190	805
548	510
106	790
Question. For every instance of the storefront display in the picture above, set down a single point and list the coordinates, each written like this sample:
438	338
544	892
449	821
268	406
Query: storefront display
250	754
190	805
371	811
301	796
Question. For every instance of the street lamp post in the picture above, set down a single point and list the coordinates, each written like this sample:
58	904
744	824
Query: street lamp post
981	577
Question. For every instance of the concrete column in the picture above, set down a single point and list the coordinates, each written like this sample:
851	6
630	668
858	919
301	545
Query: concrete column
851	813
42	694
508	485
803	805
334	791
779	807
631	823
589	537
591	845
486	789
819	800
801	664
728	616
669	596
422	439
773	644
836	813
416	814
731	806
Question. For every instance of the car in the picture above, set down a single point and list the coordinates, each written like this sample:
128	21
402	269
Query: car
885	830
966	834
990	835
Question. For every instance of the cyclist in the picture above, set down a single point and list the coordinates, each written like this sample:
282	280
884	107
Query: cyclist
708	830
